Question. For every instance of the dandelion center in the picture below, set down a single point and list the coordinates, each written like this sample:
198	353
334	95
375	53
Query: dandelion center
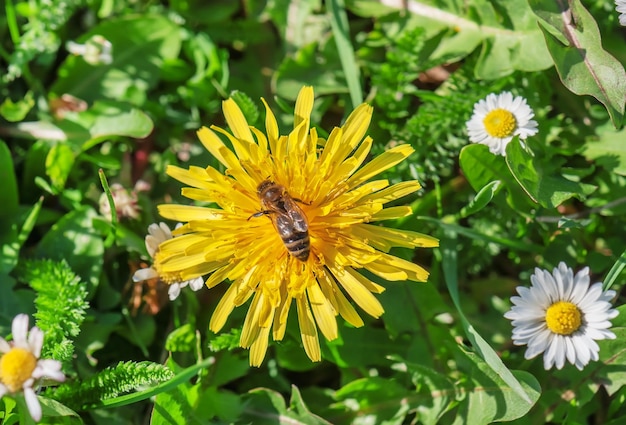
16	367
563	318
500	123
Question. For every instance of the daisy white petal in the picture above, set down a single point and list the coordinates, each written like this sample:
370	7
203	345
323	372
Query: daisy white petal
34	408
174	291
562	315
620	7
498	118
19	330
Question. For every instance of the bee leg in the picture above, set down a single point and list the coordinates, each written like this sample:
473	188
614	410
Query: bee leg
259	214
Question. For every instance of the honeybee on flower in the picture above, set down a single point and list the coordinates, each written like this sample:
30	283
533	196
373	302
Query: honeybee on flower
321	232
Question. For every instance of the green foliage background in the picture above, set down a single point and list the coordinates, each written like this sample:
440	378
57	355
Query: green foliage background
442	351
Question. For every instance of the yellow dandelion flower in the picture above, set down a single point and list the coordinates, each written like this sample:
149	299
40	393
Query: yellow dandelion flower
296	220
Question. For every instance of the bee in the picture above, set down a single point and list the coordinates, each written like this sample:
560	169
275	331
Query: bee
287	217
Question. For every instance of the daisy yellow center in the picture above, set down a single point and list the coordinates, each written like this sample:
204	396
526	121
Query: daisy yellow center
500	123
563	318
16	367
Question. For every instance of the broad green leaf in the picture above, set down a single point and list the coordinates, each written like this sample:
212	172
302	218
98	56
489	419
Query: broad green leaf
437	392
488	398
85	129
9	197
72	238
377	400
59	163
296	403
482	198
263	406
506	29
57	413
482	347
481	167
140	45
574	41
608	149
548	190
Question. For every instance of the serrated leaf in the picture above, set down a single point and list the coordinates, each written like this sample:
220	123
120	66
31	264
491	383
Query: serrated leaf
575	43
548	190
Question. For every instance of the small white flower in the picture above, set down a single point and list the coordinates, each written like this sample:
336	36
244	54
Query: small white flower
97	50
157	234
21	367
498	118
562	316
620	7
126	203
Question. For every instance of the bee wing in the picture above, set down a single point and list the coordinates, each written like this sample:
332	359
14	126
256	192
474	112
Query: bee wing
296	215
284	224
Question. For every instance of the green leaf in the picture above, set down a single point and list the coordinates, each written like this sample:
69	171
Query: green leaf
140	45
265	407
341	33
59	163
17	111
378	400
72	238
56	413
482	198
182	339
309	66
482	347
9	193
481	167
549	191
574	41
507	30
488	398
83	130
607	149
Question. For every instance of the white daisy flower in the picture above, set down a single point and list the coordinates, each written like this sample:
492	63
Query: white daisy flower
498	118
158	233
562	316
620	7
20	365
